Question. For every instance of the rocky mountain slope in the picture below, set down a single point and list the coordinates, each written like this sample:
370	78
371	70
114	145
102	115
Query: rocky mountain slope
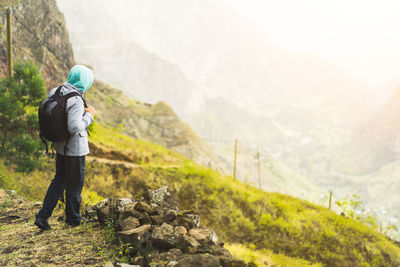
39	34
42	38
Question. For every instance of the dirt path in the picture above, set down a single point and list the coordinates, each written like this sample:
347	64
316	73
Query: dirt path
23	244
112	162
126	164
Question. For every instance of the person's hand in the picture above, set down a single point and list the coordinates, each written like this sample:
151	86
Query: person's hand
91	110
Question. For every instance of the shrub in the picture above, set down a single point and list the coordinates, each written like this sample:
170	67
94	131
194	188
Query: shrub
19	100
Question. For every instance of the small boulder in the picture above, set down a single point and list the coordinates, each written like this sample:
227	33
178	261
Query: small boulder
144	218
103	210
221	251
156	219
164	236
204	235
133	236
188	244
162	197
128	223
142	207
90	213
156	211
227	262
180	230
130	211
198	260
170	255
194	218
122	203
185	222
170	215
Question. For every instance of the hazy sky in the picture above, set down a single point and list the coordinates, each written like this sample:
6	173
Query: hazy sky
362	36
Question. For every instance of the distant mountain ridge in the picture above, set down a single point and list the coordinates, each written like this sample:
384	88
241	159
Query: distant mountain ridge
225	79
217	49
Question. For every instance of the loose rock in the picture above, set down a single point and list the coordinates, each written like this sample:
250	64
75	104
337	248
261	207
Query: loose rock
204	235
180	230
189	244
170	215
157	220
170	255
129	223
142	207
164	236
198	260
163	198
167	236
133	236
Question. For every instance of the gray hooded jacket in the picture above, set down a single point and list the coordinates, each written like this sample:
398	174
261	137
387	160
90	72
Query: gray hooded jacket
78	121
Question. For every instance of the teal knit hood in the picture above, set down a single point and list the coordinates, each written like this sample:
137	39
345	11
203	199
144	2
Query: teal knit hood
81	77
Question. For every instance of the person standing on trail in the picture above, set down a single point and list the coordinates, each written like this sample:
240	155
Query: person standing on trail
70	154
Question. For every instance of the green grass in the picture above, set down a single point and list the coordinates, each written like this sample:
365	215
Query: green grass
139	151
265	257
243	214
275	223
34	185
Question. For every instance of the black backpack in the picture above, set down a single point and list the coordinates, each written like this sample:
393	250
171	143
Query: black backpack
53	117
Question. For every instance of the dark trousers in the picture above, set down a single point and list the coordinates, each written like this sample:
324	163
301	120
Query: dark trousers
70	176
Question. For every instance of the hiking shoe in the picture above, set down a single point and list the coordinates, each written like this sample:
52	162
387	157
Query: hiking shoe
42	224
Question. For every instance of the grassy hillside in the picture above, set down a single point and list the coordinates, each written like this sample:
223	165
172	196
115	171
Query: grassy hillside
269	221
239	213
156	123
159	124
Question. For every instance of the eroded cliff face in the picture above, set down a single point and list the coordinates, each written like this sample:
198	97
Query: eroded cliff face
39	34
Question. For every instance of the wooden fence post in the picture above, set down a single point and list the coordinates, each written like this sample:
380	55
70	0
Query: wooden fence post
259	169
234	161
9	44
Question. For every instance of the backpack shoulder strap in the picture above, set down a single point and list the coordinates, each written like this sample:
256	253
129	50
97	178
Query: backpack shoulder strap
84	102
69	95
57	92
